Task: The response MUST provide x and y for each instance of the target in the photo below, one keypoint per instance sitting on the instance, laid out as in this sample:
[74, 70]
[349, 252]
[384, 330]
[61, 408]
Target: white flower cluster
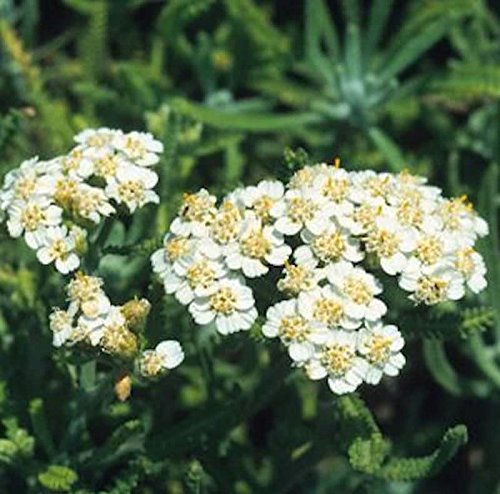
[53, 203]
[324, 230]
[90, 319]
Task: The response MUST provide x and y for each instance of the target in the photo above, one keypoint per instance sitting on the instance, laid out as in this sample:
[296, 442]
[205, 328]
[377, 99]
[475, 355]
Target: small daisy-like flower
[470, 264]
[141, 147]
[299, 278]
[433, 284]
[197, 211]
[302, 208]
[61, 325]
[58, 246]
[133, 186]
[381, 348]
[193, 277]
[32, 217]
[91, 203]
[332, 245]
[76, 164]
[85, 294]
[230, 304]
[337, 360]
[166, 356]
[296, 332]
[327, 307]
[358, 288]
[97, 138]
[94, 329]
[262, 197]
[335, 185]
[227, 223]
[257, 246]
[391, 242]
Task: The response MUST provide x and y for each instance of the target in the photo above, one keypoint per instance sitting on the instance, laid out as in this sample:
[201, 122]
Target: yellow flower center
[200, 274]
[297, 279]
[379, 349]
[464, 262]
[32, 216]
[365, 215]
[176, 248]
[262, 207]
[226, 225]
[429, 249]
[197, 207]
[65, 191]
[328, 311]
[378, 186]
[294, 329]
[223, 301]
[336, 189]
[431, 290]
[25, 187]
[151, 364]
[383, 242]
[131, 191]
[255, 245]
[357, 290]
[300, 210]
[329, 246]
[337, 358]
[83, 288]
[106, 166]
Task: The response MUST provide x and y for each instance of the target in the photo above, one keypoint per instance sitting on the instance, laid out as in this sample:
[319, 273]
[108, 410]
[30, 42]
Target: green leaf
[443, 372]
[40, 426]
[406, 469]
[58, 478]
[389, 149]
[249, 122]
[413, 49]
[379, 14]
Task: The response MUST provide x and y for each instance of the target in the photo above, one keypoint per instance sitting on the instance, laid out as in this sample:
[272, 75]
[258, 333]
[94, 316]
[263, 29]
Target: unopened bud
[123, 387]
[136, 312]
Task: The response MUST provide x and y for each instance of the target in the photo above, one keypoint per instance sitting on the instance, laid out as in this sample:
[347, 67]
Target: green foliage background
[228, 85]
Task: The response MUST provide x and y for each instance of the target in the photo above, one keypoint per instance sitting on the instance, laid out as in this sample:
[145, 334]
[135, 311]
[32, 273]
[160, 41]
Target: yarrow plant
[56, 204]
[322, 241]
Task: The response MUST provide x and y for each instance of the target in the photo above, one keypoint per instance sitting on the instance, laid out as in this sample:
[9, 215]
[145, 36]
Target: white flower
[230, 304]
[262, 197]
[86, 295]
[97, 138]
[133, 186]
[381, 347]
[166, 356]
[61, 325]
[58, 247]
[106, 163]
[358, 288]
[197, 211]
[391, 242]
[76, 164]
[140, 147]
[338, 361]
[470, 264]
[91, 203]
[302, 208]
[327, 307]
[335, 185]
[299, 278]
[297, 333]
[193, 277]
[333, 244]
[32, 217]
[257, 246]
[94, 329]
[433, 284]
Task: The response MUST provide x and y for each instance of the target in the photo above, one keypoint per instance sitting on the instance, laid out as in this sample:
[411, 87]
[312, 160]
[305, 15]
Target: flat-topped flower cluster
[91, 320]
[54, 203]
[319, 240]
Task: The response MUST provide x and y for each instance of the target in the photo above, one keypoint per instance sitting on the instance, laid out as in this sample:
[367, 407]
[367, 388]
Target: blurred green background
[234, 88]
